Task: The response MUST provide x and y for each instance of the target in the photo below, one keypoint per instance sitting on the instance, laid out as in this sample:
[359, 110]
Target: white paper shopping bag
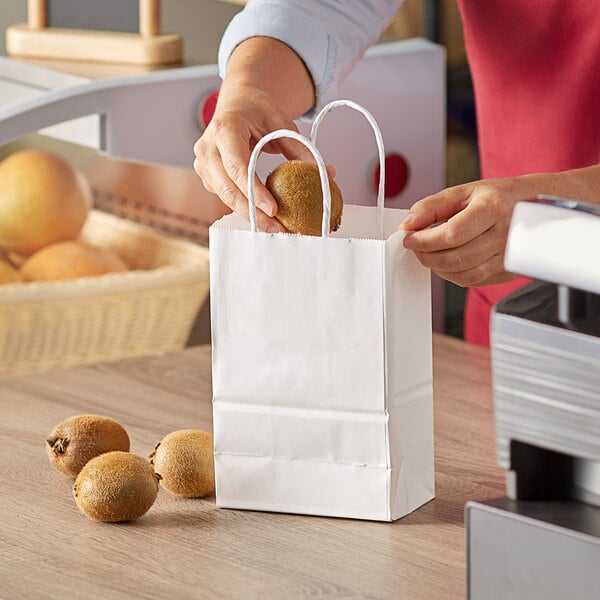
[322, 374]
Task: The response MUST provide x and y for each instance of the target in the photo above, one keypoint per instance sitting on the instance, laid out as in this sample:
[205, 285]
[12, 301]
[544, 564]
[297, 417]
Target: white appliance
[155, 119]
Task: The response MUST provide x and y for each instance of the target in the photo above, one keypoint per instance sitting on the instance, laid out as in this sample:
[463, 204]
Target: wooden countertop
[185, 548]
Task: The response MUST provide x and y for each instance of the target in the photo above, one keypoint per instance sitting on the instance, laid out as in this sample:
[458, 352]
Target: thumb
[435, 209]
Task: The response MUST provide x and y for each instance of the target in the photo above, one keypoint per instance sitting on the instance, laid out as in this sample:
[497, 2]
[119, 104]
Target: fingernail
[408, 219]
[408, 241]
[272, 229]
[266, 207]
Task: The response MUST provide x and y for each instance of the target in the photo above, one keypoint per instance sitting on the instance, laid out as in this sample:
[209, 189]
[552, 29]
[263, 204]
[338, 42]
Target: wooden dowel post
[146, 46]
[149, 18]
[37, 15]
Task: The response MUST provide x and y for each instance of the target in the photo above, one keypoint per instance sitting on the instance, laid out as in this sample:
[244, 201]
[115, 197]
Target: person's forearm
[578, 184]
[271, 66]
[584, 184]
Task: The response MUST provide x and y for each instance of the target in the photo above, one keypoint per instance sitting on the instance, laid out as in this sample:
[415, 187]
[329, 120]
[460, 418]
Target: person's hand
[223, 152]
[467, 245]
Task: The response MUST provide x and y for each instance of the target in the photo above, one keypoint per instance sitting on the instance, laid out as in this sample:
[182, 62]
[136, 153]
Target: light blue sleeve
[330, 36]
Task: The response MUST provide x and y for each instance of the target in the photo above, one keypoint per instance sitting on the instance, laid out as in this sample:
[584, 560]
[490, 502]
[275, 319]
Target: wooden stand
[148, 47]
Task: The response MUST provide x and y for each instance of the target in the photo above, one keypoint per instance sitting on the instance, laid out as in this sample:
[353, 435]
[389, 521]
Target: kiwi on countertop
[184, 459]
[78, 439]
[116, 486]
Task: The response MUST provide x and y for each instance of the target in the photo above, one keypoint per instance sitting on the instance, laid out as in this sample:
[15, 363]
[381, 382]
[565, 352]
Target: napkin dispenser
[542, 541]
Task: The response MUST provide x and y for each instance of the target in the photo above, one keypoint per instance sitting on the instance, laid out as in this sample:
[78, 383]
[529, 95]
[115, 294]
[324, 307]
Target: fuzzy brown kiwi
[185, 461]
[78, 439]
[116, 486]
[296, 187]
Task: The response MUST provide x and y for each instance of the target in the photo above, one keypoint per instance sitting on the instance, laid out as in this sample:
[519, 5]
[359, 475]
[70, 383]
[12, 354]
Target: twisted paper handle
[378, 138]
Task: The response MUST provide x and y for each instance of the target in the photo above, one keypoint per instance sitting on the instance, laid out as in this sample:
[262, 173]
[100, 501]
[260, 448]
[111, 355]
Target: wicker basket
[148, 310]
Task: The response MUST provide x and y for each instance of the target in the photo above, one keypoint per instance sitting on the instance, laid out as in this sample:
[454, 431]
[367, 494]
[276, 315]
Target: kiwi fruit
[296, 187]
[116, 486]
[78, 439]
[185, 461]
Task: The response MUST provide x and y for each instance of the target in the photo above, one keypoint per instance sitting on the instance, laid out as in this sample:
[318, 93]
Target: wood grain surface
[185, 548]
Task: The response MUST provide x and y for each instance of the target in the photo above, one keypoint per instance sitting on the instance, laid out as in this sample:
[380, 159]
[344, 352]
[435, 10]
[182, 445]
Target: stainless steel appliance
[542, 541]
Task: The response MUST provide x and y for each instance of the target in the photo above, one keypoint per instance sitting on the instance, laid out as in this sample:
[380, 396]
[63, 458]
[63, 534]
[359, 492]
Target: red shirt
[535, 66]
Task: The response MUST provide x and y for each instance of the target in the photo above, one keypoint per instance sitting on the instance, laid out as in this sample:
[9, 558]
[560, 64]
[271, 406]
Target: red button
[396, 175]
[207, 107]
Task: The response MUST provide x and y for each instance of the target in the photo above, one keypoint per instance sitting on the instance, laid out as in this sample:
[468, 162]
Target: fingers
[455, 233]
[234, 167]
[436, 208]
[465, 257]
[458, 229]
[217, 181]
[466, 246]
[222, 163]
[479, 261]
[224, 149]
[478, 212]
[488, 272]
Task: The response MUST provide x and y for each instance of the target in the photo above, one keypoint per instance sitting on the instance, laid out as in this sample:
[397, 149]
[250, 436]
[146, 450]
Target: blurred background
[201, 24]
